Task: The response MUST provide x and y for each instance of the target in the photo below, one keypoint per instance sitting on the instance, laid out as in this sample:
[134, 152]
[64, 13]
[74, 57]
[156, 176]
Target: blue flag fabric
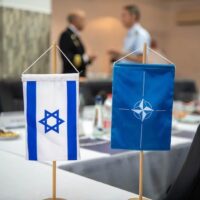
[142, 106]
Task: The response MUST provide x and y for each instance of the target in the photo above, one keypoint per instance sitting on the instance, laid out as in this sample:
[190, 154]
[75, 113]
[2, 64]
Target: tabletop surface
[18, 147]
[22, 180]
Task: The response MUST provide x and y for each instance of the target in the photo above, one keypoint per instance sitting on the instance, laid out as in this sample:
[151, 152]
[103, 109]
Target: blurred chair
[90, 89]
[185, 90]
[11, 95]
[187, 184]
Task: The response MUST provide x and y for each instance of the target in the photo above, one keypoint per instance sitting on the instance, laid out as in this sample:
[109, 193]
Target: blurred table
[18, 147]
[28, 180]
[120, 169]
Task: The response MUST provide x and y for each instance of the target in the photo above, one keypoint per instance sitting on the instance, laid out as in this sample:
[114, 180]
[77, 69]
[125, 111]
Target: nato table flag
[142, 106]
[51, 107]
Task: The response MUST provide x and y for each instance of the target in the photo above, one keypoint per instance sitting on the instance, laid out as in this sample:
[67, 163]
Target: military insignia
[75, 40]
[77, 60]
[73, 37]
[76, 43]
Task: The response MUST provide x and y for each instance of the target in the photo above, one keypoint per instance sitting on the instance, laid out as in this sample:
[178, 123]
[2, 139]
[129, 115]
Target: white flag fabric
[51, 112]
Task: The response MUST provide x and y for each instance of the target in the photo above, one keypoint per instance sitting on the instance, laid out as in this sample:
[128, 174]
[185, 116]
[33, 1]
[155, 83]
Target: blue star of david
[55, 126]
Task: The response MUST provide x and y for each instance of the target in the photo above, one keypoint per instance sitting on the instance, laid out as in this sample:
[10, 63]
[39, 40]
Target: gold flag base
[137, 198]
[54, 199]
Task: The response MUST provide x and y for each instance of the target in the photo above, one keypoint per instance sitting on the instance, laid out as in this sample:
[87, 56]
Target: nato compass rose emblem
[51, 121]
[142, 110]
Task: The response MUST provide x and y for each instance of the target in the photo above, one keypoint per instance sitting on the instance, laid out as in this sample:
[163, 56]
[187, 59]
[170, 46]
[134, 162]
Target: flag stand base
[54, 199]
[137, 198]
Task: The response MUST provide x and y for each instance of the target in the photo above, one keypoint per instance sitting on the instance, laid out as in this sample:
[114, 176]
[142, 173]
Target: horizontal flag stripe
[31, 120]
[72, 124]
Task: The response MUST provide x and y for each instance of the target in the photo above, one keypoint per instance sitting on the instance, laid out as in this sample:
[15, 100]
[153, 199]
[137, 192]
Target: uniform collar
[134, 28]
[74, 29]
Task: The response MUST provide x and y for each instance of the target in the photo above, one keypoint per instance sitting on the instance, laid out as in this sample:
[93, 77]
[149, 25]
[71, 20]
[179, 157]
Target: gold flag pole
[144, 58]
[54, 180]
[54, 71]
[54, 59]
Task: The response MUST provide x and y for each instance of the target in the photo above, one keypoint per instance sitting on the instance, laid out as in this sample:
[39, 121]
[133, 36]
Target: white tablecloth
[119, 170]
[18, 147]
[28, 180]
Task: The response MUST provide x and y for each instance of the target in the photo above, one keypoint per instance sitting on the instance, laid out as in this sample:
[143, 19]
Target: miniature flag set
[141, 111]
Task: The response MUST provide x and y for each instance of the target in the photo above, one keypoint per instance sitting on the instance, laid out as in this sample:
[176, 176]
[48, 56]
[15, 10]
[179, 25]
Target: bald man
[72, 46]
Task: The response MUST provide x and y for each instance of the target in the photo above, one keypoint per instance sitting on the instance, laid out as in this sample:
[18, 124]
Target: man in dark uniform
[72, 46]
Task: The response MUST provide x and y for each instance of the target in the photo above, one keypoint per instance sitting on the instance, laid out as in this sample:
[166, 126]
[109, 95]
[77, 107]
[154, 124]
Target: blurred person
[135, 38]
[72, 46]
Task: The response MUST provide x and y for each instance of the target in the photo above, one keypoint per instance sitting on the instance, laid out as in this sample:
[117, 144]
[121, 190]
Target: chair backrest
[90, 89]
[185, 90]
[187, 184]
[5, 98]
[11, 96]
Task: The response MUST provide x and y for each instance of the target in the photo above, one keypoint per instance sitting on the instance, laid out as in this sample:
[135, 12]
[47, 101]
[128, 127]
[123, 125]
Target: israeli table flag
[51, 112]
[142, 106]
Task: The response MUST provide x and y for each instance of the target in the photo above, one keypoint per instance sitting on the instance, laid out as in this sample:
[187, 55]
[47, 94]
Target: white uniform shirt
[135, 39]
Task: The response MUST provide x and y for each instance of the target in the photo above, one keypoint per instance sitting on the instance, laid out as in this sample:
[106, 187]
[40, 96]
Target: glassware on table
[98, 117]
